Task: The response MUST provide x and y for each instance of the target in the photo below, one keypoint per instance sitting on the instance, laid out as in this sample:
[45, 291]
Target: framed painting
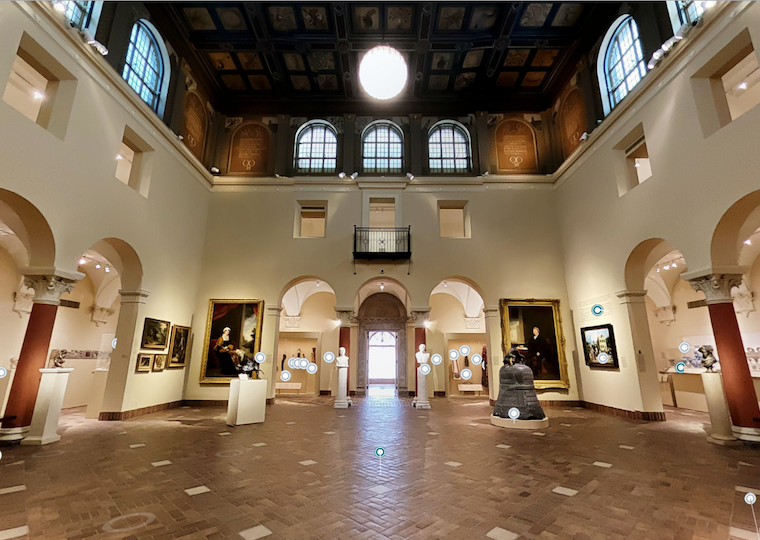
[159, 362]
[178, 345]
[599, 346]
[534, 327]
[144, 363]
[155, 334]
[233, 332]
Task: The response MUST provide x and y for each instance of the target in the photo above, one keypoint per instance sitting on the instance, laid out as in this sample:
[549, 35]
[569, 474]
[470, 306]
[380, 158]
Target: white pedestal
[422, 399]
[47, 408]
[519, 424]
[97, 393]
[341, 402]
[721, 432]
[248, 402]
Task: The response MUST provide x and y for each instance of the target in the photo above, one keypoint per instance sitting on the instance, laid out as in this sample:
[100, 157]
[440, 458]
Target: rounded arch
[316, 147]
[298, 290]
[382, 304]
[164, 70]
[30, 227]
[438, 141]
[382, 152]
[383, 284]
[465, 290]
[124, 259]
[506, 132]
[607, 90]
[736, 225]
[642, 258]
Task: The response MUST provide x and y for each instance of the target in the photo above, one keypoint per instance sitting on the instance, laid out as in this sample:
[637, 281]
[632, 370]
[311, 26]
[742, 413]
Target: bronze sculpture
[516, 389]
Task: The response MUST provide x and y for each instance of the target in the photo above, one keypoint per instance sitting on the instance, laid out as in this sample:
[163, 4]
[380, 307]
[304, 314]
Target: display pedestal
[422, 400]
[248, 401]
[519, 424]
[721, 432]
[47, 408]
[97, 393]
[341, 402]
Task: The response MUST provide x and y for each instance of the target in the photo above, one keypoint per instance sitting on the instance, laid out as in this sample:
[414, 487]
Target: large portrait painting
[535, 328]
[155, 334]
[178, 345]
[233, 332]
[599, 346]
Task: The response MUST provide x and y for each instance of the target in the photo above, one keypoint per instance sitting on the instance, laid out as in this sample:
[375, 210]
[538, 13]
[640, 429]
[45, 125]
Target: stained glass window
[317, 149]
[382, 149]
[144, 68]
[448, 150]
[624, 61]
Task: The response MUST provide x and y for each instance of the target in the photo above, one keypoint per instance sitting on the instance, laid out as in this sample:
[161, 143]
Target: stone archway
[382, 311]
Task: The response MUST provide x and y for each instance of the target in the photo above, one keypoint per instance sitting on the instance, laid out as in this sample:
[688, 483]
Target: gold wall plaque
[194, 124]
[516, 147]
[249, 152]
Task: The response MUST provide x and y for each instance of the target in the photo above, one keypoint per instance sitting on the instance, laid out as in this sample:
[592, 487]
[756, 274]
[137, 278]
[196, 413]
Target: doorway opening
[382, 363]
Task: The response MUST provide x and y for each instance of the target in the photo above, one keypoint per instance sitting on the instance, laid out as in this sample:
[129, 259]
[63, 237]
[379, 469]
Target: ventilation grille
[70, 303]
[696, 304]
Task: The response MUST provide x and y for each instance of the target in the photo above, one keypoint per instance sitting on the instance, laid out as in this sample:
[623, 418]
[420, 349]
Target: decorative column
[419, 318]
[649, 384]
[269, 340]
[495, 350]
[344, 340]
[47, 297]
[737, 380]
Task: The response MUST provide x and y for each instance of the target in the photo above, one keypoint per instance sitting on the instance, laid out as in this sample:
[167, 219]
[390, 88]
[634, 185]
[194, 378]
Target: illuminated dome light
[383, 72]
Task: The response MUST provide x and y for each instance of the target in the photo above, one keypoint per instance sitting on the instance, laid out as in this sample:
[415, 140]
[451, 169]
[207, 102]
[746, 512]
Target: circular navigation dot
[466, 374]
[476, 359]
[229, 453]
[514, 413]
[260, 357]
[285, 376]
[603, 358]
[1, 455]
[436, 359]
[379, 451]
[3, 372]
[453, 354]
[681, 367]
[597, 309]
[328, 357]
[312, 368]
[290, 362]
[425, 369]
[684, 347]
[146, 517]
[303, 363]
[464, 350]
[113, 343]
[750, 498]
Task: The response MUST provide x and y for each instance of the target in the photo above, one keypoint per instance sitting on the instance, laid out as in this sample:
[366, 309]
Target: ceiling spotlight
[38, 95]
[410, 176]
[748, 242]
[98, 46]
[319, 283]
[60, 7]
[341, 174]
[383, 72]
[82, 261]
[108, 269]
[667, 267]
[354, 176]
[658, 269]
[119, 157]
[445, 284]
[584, 136]
[215, 170]
[673, 264]
[742, 85]
[382, 286]
[97, 266]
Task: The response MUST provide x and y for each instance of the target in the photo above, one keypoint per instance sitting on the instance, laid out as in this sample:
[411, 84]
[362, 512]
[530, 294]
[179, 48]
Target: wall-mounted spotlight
[341, 174]
[584, 136]
[410, 176]
[215, 170]
[354, 176]
[382, 286]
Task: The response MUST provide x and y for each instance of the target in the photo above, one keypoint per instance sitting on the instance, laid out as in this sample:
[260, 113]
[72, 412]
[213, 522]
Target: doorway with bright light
[382, 364]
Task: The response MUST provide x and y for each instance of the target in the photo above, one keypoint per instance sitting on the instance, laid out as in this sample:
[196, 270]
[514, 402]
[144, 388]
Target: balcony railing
[382, 243]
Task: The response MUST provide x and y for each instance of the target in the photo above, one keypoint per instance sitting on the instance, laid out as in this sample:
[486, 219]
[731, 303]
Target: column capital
[491, 312]
[420, 316]
[344, 314]
[717, 287]
[48, 289]
[133, 297]
[274, 311]
[631, 296]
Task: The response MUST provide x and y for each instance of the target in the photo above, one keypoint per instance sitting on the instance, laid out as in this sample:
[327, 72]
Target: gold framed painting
[233, 333]
[178, 346]
[534, 327]
[159, 362]
[144, 363]
[155, 334]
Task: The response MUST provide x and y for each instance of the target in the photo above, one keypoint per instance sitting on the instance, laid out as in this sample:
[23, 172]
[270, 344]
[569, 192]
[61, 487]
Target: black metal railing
[382, 243]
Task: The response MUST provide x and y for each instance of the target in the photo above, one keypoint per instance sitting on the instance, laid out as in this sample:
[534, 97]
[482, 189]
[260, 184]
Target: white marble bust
[342, 359]
[423, 356]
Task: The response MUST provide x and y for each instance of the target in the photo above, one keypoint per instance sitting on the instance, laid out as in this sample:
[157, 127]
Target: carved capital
[344, 315]
[631, 297]
[490, 312]
[48, 289]
[717, 287]
[472, 323]
[274, 311]
[100, 315]
[420, 316]
[133, 297]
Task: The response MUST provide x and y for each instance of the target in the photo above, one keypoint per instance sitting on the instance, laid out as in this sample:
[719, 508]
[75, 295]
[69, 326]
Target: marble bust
[342, 359]
[423, 357]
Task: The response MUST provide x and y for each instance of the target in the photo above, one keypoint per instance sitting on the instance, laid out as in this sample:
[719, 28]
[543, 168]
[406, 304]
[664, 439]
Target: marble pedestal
[342, 401]
[519, 424]
[248, 402]
[47, 408]
[423, 402]
[720, 419]
[97, 393]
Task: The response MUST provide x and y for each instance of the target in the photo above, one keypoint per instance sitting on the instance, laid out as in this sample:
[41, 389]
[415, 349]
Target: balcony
[392, 243]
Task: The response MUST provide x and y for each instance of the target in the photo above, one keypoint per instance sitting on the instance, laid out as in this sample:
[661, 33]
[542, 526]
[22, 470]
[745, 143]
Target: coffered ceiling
[303, 58]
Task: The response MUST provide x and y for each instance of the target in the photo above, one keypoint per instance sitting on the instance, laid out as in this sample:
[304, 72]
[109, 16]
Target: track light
[410, 176]
[108, 269]
[341, 174]
[658, 269]
[97, 266]
[354, 176]
[215, 170]
[748, 242]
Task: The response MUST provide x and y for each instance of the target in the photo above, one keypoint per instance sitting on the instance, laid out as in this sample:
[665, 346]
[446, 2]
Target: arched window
[448, 149]
[684, 12]
[382, 148]
[316, 148]
[77, 12]
[623, 65]
[144, 68]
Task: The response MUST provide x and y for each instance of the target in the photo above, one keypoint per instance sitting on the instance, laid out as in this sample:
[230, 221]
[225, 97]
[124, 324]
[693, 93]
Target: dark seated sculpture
[516, 389]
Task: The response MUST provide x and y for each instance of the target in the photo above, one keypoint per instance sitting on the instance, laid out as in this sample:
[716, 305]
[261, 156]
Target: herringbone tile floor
[442, 476]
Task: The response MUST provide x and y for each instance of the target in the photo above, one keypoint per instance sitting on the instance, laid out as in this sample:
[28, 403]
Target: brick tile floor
[672, 485]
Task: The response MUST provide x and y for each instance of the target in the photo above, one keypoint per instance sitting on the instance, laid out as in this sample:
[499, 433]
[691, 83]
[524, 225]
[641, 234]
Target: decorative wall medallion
[422, 46]
[199, 18]
[344, 46]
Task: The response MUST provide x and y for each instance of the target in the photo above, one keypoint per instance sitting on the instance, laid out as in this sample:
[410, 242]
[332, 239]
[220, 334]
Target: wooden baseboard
[412, 393]
[126, 415]
[439, 393]
[204, 402]
[604, 409]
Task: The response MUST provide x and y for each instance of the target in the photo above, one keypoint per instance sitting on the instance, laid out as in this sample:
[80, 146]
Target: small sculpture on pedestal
[421, 401]
[343, 401]
[517, 405]
[59, 360]
[708, 360]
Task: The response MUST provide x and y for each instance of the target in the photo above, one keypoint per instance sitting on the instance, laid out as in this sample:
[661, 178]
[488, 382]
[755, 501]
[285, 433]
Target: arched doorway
[382, 315]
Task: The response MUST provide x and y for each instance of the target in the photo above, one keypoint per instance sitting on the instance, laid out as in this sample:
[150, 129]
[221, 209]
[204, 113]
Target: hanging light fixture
[383, 72]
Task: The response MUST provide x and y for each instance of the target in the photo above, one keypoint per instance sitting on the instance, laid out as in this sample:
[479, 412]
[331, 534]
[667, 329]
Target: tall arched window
[78, 12]
[316, 148]
[144, 68]
[623, 64]
[686, 12]
[382, 148]
[448, 149]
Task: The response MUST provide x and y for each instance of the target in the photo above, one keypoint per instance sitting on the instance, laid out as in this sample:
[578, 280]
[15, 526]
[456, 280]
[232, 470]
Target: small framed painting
[159, 362]
[178, 345]
[144, 363]
[155, 334]
[599, 346]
